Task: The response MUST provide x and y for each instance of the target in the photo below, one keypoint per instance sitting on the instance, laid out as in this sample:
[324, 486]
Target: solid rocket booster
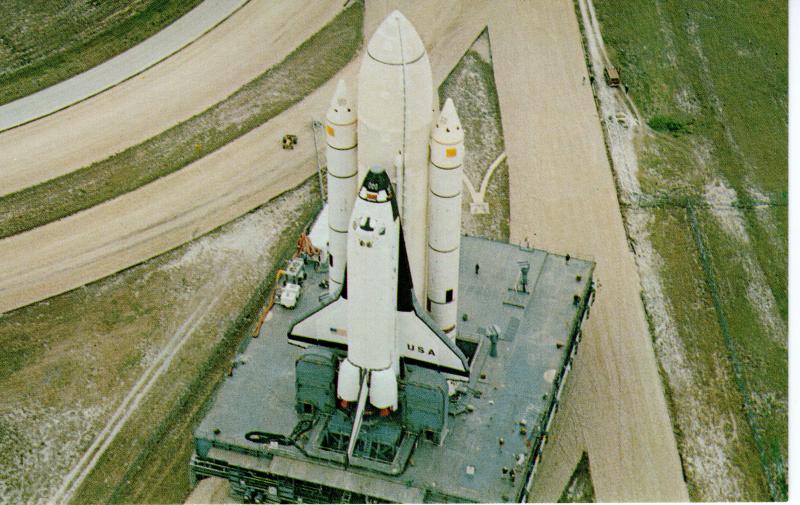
[341, 153]
[444, 217]
[395, 104]
[373, 249]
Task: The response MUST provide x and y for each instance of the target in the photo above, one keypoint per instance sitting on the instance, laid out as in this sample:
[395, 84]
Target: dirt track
[210, 490]
[174, 37]
[203, 73]
[206, 194]
[563, 199]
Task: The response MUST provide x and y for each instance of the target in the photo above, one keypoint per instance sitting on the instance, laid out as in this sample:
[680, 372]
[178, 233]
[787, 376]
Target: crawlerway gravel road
[139, 58]
[563, 199]
[246, 44]
[210, 192]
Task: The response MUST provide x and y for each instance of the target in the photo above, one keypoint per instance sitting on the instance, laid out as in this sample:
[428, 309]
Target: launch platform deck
[495, 431]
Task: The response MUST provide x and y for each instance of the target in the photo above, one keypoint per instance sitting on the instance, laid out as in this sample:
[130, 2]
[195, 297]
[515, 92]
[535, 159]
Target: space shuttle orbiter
[394, 211]
[376, 316]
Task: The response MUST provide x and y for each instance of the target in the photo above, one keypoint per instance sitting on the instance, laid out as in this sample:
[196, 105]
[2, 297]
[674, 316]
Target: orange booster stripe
[330, 130]
[451, 152]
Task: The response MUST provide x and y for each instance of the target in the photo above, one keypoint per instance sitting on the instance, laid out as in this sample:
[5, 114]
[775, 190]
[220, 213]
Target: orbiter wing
[420, 341]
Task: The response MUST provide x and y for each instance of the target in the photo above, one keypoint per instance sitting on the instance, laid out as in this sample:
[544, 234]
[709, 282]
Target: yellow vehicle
[612, 76]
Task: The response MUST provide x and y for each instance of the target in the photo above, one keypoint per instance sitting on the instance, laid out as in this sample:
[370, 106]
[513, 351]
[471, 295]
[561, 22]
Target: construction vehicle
[293, 277]
[612, 76]
[288, 295]
[289, 141]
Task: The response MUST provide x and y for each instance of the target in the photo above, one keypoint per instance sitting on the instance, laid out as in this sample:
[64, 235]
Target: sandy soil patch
[212, 191]
[721, 199]
[563, 193]
[202, 74]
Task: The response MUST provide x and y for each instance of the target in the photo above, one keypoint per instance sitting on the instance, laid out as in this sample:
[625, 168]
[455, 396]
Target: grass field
[304, 70]
[471, 86]
[44, 42]
[71, 359]
[149, 461]
[710, 81]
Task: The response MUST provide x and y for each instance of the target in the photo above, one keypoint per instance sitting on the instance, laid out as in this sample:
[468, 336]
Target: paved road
[168, 41]
[162, 215]
[563, 199]
[254, 38]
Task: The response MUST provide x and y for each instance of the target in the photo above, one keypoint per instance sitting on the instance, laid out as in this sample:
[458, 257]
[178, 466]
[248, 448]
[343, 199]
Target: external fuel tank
[395, 108]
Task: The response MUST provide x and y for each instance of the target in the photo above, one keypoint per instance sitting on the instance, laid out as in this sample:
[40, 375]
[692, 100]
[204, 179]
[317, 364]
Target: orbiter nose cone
[342, 111]
[396, 41]
[447, 129]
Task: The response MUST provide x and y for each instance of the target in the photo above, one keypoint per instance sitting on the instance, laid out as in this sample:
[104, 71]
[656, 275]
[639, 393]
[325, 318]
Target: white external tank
[341, 153]
[394, 117]
[444, 217]
[372, 257]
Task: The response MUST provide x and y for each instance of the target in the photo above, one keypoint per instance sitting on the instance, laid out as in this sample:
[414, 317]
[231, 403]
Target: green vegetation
[686, 286]
[44, 42]
[710, 80]
[668, 124]
[760, 364]
[148, 461]
[471, 86]
[579, 488]
[304, 70]
[75, 356]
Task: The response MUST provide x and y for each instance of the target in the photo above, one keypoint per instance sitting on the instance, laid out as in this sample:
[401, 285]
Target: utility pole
[315, 125]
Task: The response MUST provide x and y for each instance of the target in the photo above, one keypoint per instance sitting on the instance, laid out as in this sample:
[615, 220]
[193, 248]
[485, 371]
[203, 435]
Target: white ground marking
[478, 205]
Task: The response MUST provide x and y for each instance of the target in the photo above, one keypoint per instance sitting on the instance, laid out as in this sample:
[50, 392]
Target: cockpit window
[366, 224]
